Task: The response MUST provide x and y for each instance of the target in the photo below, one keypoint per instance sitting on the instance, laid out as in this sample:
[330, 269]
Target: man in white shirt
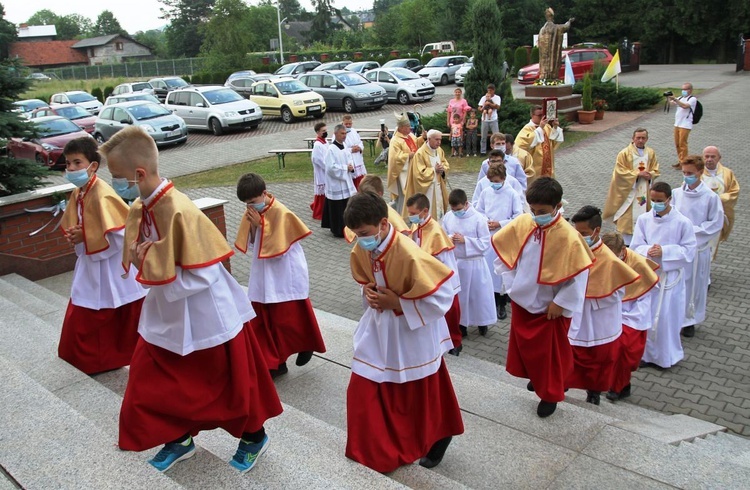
[683, 120]
[488, 104]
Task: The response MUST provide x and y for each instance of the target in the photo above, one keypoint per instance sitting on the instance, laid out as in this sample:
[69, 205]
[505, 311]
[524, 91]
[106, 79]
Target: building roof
[47, 53]
[95, 41]
[27, 31]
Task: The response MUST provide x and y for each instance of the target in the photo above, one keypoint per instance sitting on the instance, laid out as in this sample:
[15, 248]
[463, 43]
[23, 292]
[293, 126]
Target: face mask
[348, 130]
[324, 135]
[497, 185]
[78, 178]
[500, 147]
[690, 179]
[460, 213]
[684, 93]
[659, 207]
[369, 243]
[123, 189]
[415, 219]
[545, 219]
[589, 240]
[258, 206]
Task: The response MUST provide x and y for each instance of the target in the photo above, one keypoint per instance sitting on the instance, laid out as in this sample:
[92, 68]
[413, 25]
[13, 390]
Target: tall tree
[155, 40]
[43, 17]
[184, 34]
[72, 26]
[417, 13]
[226, 39]
[107, 24]
[321, 29]
[488, 51]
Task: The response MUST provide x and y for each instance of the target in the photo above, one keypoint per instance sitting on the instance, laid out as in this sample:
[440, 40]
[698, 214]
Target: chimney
[23, 26]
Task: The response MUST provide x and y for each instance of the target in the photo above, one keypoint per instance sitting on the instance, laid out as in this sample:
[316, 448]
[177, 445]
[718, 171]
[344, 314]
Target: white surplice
[319, 167]
[447, 257]
[339, 183]
[512, 167]
[674, 233]
[408, 347]
[476, 298]
[358, 158]
[703, 208]
[278, 279]
[636, 313]
[484, 183]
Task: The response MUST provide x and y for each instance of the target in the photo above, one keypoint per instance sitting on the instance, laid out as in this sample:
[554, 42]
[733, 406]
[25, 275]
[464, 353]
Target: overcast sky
[133, 15]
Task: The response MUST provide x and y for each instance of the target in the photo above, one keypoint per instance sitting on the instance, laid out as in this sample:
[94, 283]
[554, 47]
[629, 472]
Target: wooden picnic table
[280, 154]
[370, 140]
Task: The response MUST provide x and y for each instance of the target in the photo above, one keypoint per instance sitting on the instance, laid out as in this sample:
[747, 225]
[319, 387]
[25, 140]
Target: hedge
[626, 99]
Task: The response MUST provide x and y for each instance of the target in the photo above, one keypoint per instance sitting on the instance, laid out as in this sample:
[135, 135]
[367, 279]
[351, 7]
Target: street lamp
[280, 20]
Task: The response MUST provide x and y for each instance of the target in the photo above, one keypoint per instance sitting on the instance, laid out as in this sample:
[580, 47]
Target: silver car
[345, 90]
[442, 69]
[119, 99]
[159, 123]
[214, 107]
[463, 71]
[133, 87]
[402, 85]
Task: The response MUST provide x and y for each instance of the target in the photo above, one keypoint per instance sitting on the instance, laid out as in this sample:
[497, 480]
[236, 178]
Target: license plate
[313, 108]
[247, 119]
[378, 99]
[174, 133]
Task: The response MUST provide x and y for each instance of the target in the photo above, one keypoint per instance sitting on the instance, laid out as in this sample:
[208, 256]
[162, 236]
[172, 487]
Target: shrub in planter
[535, 54]
[108, 91]
[97, 92]
[586, 101]
[520, 59]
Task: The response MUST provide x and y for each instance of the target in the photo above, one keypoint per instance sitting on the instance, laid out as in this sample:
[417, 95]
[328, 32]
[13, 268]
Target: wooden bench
[280, 154]
[370, 140]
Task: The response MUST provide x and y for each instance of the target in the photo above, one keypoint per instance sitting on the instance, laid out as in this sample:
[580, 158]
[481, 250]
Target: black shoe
[529, 386]
[483, 330]
[612, 396]
[456, 350]
[688, 331]
[643, 364]
[501, 314]
[625, 392]
[435, 456]
[593, 397]
[464, 331]
[303, 358]
[545, 409]
[282, 369]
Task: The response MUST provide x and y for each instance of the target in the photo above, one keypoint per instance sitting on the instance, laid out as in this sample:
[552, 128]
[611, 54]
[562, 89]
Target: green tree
[521, 19]
[155, 40]
[417, 13]
[43, 17]
[73, 26]
[107, 24]
[321, 29]
[387, 26]
[488, 52]
[226, 41]
[7, 34]
[184, 35]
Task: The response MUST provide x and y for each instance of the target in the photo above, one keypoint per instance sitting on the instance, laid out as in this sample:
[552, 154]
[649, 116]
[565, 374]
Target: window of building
[118, 46]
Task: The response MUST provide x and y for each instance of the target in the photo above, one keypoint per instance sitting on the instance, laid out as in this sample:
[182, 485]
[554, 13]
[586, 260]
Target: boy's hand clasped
[381, 298]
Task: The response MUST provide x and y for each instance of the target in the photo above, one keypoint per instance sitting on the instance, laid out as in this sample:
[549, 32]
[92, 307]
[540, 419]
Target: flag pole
[617, 83]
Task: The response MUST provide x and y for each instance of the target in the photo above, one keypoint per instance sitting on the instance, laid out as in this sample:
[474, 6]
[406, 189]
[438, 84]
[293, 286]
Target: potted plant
[586, 116]
[600, 105]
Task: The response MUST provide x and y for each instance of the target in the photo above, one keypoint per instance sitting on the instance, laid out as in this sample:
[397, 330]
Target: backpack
[698, 112]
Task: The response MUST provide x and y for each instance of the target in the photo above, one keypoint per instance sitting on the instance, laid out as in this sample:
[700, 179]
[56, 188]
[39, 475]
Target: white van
[441, 47]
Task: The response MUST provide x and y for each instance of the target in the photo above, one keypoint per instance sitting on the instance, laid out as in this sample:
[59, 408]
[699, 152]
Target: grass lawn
[299, 168]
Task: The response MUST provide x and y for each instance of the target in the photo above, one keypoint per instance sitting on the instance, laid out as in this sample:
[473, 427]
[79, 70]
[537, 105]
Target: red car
[581, 59]
[47, 148]
[80, 116]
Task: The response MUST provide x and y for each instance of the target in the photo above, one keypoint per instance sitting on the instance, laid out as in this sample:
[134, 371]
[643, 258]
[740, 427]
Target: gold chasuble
[409, 272]
[185, 237]
[564, 251]
[725, 184]
[395, 219]
[542, 155]
[432, 237]
[279, 230]
[648, 277]
[398, 156]
[608, 274]
[103, 211]
[424, 179]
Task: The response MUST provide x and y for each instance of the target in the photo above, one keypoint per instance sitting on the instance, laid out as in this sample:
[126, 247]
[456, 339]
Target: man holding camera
[683, 120]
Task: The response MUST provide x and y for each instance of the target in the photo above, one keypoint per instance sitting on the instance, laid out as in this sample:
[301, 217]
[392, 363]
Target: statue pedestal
[568, 103]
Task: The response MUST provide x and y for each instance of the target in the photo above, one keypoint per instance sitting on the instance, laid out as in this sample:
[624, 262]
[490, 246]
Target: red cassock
[539, 350]
[168, 395]
[592, 366]
[357, 180]
[393, 424]
[453, 319]
[632, 343]
[95, 341]
[317, 206]
[283, 329]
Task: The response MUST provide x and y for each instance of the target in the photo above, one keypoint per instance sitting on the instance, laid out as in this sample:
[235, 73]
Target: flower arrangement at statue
[549, 82]
[600, 105]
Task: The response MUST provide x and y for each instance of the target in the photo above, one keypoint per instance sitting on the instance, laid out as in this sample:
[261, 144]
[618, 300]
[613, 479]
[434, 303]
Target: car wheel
[348, 105]
[444, 80]
[215, 125]
[254, 126]
[403, 98]
[99, 138]
[286, 115]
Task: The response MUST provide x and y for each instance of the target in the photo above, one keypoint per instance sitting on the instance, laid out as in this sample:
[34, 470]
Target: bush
[586, 101]
[626, 99]
[97, 92]
[108, 91]
[187, 78]
[535, 54]
[508, 54]
[612, 48]
[520, 59]
[435, 121]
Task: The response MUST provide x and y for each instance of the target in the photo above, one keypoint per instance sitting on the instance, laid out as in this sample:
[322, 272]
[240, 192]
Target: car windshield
[30, 105]
[82, 97]
[222, 96]
[292, 87]
[438, 62]
[74, 112]
[285, 69]
[56, 127]
[175, 82]
[352, 79]
[141, 86]
[141, 112]
[403, 74]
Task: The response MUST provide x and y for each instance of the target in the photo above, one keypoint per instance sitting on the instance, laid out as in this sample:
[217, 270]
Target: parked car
[244, 85]
[582, 60]
[80, 116]
[118, 99]
[133, 87]
[345, 90]
[213, 107]
[26, 107]
[163, 85]
[463, 70]
[362, 66]
[163, 126]
[412, 64]
[288, 98]
[440, 47]
[39, 77]
[442, 69]
[53, 132]
[333, 65]
[78, 97]
[241, 73]
[295, 69]
[402, 85]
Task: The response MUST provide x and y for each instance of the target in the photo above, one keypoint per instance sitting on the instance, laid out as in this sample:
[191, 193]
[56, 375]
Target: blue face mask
[659, 207]
[545, 219]
[123, 188]
[589, 240]
[684, 93]
[690, 179]
[460, 213]
[78, 178]
[497, 185]
[348, 130]
[258, 206]
[415, 219]
[369, 243]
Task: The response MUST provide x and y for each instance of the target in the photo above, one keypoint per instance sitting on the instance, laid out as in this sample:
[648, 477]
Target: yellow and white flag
[613, 69]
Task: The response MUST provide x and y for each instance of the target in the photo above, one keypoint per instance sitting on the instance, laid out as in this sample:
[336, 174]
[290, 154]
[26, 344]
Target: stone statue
[550, 46]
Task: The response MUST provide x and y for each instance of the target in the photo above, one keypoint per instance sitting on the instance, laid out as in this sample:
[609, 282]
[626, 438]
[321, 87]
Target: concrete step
[47, 444]
[733, 449]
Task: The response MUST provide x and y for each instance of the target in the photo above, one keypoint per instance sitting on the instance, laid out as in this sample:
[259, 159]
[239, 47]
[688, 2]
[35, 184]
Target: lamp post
[281, 45]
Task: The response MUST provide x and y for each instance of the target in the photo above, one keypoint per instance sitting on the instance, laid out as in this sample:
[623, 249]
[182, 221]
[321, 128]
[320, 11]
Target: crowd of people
[587, 307]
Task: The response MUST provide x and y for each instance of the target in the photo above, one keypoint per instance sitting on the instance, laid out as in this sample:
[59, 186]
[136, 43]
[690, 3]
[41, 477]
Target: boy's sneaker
[247, 454]
[172, 453]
